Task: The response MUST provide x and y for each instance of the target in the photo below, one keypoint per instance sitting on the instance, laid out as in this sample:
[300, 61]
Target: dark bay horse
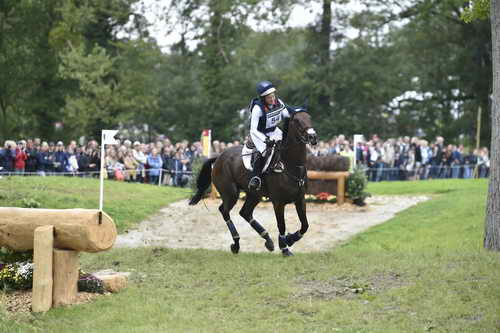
[230, 176]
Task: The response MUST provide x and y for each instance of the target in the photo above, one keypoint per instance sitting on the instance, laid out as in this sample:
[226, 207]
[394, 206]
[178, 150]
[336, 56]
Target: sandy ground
[181, 226]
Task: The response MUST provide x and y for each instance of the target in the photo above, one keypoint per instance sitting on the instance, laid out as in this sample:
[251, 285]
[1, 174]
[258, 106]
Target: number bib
[273, 118]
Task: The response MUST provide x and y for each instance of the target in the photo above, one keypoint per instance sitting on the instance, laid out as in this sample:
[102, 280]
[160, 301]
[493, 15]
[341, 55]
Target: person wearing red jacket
[21, 157]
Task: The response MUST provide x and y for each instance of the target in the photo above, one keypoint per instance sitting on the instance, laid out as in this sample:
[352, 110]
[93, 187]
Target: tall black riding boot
[255, 180]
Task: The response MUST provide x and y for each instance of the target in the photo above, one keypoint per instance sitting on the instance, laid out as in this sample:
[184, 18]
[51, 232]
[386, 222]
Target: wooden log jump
[56, 236]
[75, 229]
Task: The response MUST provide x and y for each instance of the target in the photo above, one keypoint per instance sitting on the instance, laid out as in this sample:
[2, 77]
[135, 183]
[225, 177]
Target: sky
[301, 16]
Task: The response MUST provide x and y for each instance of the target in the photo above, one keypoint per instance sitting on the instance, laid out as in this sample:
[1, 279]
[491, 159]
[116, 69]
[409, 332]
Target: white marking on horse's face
[311, 131]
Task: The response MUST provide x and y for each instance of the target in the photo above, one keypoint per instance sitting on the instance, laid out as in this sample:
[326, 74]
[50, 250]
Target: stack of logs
[55, 236]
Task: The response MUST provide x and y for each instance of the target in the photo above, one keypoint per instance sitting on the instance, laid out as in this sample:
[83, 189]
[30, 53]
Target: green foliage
[92, 64]
[30, 203]
[356, 185]
[8, 256]
[478, 9]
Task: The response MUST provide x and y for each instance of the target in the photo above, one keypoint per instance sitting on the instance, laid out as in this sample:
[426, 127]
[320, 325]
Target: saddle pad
[246, 155]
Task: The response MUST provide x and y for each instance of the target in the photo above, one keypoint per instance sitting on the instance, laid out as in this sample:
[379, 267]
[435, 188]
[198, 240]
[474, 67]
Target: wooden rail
[339, 176]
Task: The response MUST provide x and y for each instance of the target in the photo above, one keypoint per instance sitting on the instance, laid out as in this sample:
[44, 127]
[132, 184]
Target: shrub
[356, 184]
[91, 284]
[8, 256]
[16, 276]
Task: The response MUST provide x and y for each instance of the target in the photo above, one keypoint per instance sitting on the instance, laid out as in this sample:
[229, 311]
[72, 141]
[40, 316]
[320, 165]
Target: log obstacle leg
[341, 190]
[66, 268]
[43, 263]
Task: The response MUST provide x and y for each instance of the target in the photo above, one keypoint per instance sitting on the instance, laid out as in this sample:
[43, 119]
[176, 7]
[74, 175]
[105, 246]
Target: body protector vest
[270, 118]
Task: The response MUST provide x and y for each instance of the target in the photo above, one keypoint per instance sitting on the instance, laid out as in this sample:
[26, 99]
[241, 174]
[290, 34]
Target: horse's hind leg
[300, 206]
[229, 198]
[247, 213]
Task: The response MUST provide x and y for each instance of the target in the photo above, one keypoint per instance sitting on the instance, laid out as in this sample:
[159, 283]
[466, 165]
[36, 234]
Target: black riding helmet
[265, 88]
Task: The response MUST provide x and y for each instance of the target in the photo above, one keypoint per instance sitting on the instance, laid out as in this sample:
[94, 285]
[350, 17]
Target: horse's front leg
[279, 211]
[300, 206]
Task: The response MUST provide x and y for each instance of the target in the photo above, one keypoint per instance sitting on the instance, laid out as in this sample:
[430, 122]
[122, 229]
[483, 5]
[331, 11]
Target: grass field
[423, 271]
[127, 203]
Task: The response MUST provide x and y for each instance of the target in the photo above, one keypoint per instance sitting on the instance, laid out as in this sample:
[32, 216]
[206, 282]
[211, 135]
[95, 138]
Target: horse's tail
[204, 180]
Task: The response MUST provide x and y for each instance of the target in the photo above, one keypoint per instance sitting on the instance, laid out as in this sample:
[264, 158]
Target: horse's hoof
[286, 253]
[235, 248]
[269, 245]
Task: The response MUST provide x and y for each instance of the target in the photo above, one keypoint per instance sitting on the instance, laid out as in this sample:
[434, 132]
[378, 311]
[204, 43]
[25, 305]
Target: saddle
[273, 162]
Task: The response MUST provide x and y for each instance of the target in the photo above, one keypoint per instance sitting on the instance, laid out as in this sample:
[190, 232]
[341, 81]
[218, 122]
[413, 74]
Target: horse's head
[301, 121]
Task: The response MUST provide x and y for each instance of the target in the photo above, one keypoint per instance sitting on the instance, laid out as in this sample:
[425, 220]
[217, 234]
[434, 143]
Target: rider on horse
[267, 112]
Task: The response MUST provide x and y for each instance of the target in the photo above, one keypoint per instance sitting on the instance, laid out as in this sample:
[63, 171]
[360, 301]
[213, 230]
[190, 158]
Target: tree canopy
[71, 67]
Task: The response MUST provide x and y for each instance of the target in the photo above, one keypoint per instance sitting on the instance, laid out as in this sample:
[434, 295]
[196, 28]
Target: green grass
[126, 203]
[423, 271]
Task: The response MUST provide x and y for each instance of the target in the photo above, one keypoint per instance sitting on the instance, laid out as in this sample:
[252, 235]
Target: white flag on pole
[108, 137]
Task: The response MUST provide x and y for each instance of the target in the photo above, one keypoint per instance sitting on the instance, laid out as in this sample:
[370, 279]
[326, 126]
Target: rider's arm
[258, 137]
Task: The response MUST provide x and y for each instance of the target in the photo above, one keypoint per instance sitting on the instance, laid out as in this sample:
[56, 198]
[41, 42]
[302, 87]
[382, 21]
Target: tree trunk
[75, 229]
[492, 224]
[42, 274]
[324, 53]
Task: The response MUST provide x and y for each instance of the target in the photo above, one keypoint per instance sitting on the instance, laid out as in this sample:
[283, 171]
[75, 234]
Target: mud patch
[347, 287]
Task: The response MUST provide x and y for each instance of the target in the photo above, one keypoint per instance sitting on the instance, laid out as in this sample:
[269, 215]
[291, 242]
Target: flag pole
[101, 174]
[107, 137]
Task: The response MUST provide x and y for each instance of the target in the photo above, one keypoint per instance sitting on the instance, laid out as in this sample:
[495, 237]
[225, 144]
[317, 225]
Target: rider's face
[270, 99]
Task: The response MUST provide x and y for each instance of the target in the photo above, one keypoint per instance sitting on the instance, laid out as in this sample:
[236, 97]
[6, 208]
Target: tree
[492, 225]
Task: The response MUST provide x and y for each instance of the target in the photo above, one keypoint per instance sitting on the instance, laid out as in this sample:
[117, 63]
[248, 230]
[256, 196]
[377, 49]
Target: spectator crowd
[165, 163]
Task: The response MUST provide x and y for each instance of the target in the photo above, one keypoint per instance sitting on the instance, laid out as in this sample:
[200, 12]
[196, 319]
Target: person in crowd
[131, 166]
[141, 159]
[72, 166]
[8, 157]
[426, 153]
[168, 164]
[21, 157]
[483, 163]
[94, 161]
[44, 160]
[349, 153]
[60, 158]
[470, 161]
[456, 161]
[31, 154]
[180, 168]
[155, 164]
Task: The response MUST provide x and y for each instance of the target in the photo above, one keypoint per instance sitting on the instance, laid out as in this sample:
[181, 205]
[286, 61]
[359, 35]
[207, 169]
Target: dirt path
[181, 226]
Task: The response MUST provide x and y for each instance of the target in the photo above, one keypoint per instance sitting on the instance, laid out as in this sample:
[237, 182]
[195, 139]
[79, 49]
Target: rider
[267, 112]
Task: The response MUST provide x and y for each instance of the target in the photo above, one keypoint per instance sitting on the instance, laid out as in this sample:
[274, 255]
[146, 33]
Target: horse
[230, 176]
